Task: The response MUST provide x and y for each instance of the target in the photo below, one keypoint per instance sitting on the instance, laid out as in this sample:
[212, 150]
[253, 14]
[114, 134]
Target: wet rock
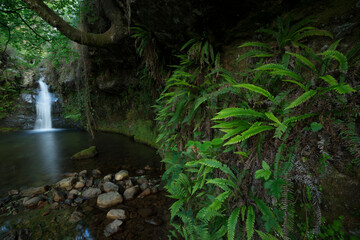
[78, 200]
[154, 221]
[58, 195]
[142, 180]
[145, 193]
[73, 193]
[116, 214]
[74, 174]
[130, 193]
[79, 185]
[83, 173]
[109, 199]
[30, 192]
[121, 175]
[68, 201]
[128, 183]
[145, 212]
[75, 217]
[13, 192]
[96, 173]
[110, 187]
[85, 154]
[107, 178]
[112, 227]
[91, 193]
[31, 202]
[89, 182]
[66, 183]
[144, 186]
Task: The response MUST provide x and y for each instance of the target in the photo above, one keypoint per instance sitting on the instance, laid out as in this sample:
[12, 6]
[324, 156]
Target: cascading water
[43, 107]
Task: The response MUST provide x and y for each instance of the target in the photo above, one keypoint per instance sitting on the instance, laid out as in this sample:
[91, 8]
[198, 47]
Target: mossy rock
[86, 153]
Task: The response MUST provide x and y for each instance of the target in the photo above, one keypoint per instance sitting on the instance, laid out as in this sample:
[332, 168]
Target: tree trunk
[113, 35]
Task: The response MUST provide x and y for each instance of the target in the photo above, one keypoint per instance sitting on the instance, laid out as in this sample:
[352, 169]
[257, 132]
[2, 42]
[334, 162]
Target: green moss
[86, 153]
[6, 129]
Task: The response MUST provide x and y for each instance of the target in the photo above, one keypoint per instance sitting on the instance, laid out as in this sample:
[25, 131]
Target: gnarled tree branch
[113, 35]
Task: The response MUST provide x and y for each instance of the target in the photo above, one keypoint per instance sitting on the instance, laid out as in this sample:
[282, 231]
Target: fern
[231, 224]
[343, 63]
[304, 97]
[253, 130]
[256, 89]
[250, 221]
[265, 236]
[238, 112]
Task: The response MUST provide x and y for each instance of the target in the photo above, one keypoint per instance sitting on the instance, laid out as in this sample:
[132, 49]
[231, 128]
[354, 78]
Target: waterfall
[43, 107]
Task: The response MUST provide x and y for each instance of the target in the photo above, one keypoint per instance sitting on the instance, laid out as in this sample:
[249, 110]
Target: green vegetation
[234, 185]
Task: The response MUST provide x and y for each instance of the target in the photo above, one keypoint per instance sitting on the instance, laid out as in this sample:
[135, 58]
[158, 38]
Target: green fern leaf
[298, 118]
[307, 95]
[175, 208]
[238, 112]
[231, 124]
[253, 53]
[312, 32]
[343, 89]
[232, 221]
[296, 82]
[250, 221]
[256, 89]
[272, 117]
[232, 132]
[304, 60]
[330, 80]
[271, 67]
[343, 63]
[287, 72]
[265, 236]
[255, 44]
[222, 183]
[253, 130]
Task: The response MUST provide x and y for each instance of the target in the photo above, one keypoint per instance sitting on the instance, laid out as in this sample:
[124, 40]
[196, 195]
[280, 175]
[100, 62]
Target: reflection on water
[36, 158]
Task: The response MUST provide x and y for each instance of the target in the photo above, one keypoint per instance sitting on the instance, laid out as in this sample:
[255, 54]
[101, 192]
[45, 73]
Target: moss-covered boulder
[86, 153]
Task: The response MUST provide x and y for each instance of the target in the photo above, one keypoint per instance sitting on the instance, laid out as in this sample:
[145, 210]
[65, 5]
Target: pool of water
[36, 158]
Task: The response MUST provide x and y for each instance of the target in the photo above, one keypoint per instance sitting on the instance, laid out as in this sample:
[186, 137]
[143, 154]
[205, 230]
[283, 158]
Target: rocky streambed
[88, 205]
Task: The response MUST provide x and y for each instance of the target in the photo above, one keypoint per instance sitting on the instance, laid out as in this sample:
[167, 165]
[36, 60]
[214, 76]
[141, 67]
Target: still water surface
[36, 158]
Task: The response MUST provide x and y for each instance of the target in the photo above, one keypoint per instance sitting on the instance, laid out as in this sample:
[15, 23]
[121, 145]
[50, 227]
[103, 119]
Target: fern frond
[232, 132]
[255, 44]
[238, 112]
[304, 60]
[307, 95]
[175, 207]
[231, 223]
[253, 53]
[312, 32]
[343, 63]
[298, 118]
[231, 124]
[253, 130]
[250, 221]
[256, 89]
[222, 183]
[296, 82]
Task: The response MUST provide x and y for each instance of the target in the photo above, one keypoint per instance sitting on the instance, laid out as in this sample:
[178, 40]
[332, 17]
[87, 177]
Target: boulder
[73, 193]
[108, 178]
[58, 195]
[144, 186]
[109, 199]
[91, 193]
[110, 187]
[121, 175]
[75, 217]
[66, 183]
[83, 173]
[85, 154]
[130, 193]
[96, 173]
[31, 202]
[116, 214]
[30, 192]
[79, 185]
[74, 174]
[112, 227]
[145, 193]
[13, 192]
